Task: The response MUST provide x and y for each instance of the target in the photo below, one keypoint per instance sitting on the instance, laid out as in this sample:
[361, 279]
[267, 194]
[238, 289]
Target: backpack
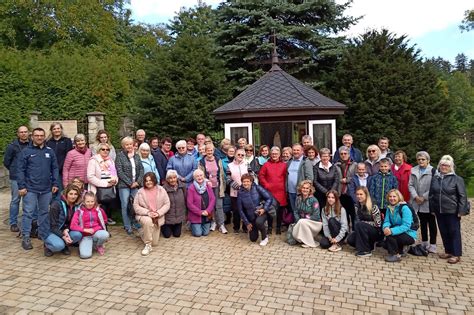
[415, 225]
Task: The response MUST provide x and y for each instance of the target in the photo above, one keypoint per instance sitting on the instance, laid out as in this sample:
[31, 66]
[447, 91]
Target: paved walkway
[227, 274]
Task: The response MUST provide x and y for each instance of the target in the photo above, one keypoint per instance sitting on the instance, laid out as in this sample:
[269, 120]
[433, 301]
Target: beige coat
[141, 206]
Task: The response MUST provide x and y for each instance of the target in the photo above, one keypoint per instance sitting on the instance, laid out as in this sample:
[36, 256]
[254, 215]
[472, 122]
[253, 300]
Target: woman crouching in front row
[334, 223]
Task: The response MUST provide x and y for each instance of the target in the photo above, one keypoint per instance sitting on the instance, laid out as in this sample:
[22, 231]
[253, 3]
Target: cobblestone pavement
[227, 274]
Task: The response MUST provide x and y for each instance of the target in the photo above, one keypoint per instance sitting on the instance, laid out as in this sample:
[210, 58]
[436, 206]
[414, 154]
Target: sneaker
[26, 243]
[364, 254]
[111, 222]
[147, 250]
[432, 249]
[213, 226]
[101, 250]
[335, 248]
[264, 242]
[48, 252]
[14, 228]
[129, 231]
[66, 251]
[393, 258]
[222, 229]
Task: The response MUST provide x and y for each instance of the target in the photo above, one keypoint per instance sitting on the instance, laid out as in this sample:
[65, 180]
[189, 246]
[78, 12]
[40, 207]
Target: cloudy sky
[430, 24]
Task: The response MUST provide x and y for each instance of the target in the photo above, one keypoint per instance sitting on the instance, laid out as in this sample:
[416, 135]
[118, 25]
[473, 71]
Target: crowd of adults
[70, 191]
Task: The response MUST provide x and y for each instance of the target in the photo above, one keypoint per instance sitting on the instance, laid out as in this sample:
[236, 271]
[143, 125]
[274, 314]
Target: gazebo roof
[278, 91]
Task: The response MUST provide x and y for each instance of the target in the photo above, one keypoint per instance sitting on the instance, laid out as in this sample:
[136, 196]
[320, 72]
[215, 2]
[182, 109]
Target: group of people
[69, 191]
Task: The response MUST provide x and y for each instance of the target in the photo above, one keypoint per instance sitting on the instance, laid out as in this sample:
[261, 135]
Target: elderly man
[140, 136]
[183, 163]
[10, 160]
[356, 154]
[299, 168]
[38, 178]
[307, 141]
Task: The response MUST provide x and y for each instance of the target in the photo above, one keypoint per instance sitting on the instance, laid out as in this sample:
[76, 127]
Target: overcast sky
[433, 25]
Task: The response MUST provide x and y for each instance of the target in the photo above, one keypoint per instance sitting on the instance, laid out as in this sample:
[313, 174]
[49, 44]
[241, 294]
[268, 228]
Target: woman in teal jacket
[397, 226]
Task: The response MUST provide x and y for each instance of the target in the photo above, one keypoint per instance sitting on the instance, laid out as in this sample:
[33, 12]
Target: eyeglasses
[345, 153]
[180, 148]
[104, 149]
[240, 155]
[248, 150]
[372, 151]
[421, 159]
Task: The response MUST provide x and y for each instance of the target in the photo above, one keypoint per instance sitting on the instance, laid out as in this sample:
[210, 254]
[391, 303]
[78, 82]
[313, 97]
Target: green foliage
[306, 30]
[468, 21]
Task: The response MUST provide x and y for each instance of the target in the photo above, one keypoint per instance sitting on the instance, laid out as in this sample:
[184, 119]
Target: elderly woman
[213, 170]
[103, 137]
[175, 216]
[234, 175]
[448, 200]
[373, 159]
[130, 174]
[183, 163]
[286, 154]
[402, 170]
[419, 187]
[397, 226]
[347, 168]
[250, 160]
[101, 173]
[312, 154]
[201, 201]
[241, 143]
[151, 204]
[60, 216]
[307, 216]
[147, 159]
[76, 161]
[252, 211]
[272, 177]
[326, 176]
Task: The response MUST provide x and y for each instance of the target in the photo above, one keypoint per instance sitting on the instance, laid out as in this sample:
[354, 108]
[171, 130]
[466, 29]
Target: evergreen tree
[306, 30]
[461, 63]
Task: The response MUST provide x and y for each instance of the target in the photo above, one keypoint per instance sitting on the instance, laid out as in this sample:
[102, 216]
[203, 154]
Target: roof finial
[275, 60]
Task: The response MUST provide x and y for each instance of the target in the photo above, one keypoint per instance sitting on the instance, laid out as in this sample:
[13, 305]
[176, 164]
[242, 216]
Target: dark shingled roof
[277, 90]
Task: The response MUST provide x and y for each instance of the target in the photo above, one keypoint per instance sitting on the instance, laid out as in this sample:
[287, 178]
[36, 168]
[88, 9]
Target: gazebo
[279, 110]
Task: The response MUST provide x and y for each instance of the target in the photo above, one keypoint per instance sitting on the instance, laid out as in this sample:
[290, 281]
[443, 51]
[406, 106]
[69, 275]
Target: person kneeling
[90, 221]
[334, 223]
[397, 226]
[151, 204]
[251, 211]
[201, 202]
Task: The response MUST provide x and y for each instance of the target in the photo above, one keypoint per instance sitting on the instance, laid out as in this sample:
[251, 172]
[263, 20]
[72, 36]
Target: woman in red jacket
[402, 170]
[272, 177]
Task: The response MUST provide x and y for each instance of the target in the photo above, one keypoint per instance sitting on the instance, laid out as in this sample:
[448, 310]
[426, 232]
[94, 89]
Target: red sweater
[88, 218]
[403, 177]
[272, 177]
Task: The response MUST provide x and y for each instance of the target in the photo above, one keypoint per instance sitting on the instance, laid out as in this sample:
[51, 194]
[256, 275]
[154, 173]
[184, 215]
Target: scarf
[151, 198]
[262, 160]
[201, 189]
[248, 160]
[82, 151]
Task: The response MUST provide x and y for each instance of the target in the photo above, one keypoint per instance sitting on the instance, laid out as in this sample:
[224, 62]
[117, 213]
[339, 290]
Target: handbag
[106, 194]
[289, 235]
[418, 250]
[287, 217]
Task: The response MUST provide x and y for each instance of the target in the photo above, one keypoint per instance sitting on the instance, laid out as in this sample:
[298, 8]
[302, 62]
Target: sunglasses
[248, 150]
[372, 151]
[104, 149]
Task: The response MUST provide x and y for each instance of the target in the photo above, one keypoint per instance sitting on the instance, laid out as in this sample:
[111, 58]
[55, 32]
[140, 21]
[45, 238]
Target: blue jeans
[57, 195]
[57, 244]
[14, 203]
[87, 242]
[124, 194]
[200, 229]
[32, 202]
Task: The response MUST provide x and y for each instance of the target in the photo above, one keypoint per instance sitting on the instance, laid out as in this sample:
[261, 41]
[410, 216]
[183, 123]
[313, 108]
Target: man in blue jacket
[38, 178]
[10, 160]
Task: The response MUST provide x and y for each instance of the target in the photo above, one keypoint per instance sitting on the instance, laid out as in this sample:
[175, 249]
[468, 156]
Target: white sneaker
[222, 229]
[213, 226]
[147, 250]
[264, 242]
[335, 248]
[432, 249]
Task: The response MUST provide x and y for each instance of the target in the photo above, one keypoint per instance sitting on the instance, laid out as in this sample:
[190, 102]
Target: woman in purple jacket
[201, 201]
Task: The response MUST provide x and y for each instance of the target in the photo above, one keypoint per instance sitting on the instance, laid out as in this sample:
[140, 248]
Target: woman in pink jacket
[76, 161]
[151, 203]
[234, 173]
[101, 173]
[201, 201]
[90, 220]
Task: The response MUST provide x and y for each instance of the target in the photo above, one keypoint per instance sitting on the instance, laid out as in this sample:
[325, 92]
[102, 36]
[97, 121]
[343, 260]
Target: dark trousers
[321, 199]
[428, 220]
[171, 229]
[395, 243]
[279, 217]
[258, 225]
[236, 215]
[334, 229]
[450, 229]
[348, 204]
[364, 236]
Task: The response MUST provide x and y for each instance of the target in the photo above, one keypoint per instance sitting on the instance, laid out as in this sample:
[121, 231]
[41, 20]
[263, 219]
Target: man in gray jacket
[299, 168]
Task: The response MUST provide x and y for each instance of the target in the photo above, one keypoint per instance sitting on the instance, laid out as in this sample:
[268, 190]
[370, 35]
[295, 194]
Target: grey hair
[275, 148]
[126, 140]
[79, 136]
[144, 146]
[171, 173]
[344, 148]
[197, 171]
[180, 143]
[324, 151]
[423, 154]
